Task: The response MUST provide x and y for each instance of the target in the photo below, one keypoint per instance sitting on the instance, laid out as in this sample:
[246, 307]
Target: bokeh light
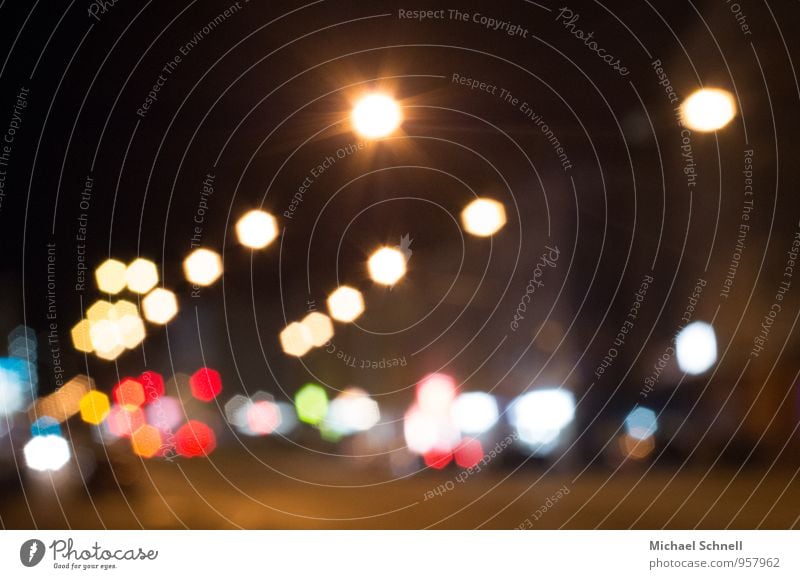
[483, 217]
[540, 416]
[636, 448]
[195, 439]
[376, 115]
[203, 267]
[641, 423]
[696, 348]
[352, 411]
[46, 453]
[64, 402]
[160, 306]
[345, 304]
[110, 276]
[94, 407]
[263, 417]
[468, 453]
[438, 459]
[123, 421]
[708, 110]
[206, 384]
[296, 339]
[153, 384]
[141, 276]
[319, 327]
[311, 402]
[387, 266]
[129, 393]
[256, 229]
[146, 441]
[475, 412]
[45, 426]
[12, 386]
[81, 338]
[436, 393]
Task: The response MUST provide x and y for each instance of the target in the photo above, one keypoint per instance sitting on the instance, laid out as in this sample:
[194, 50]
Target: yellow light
[708, 110]
[296, 339]
[203, 267]
[94, 407]
[376, 115]
[141, 276]
[121, 309]
[65, 402]
[387, 266]
[80, 337]
[320, 327]
[256, 229]
[345, 304]
[98, 311]
[106, 339]
[483, 217]
[160, 306]
[110, 276]
[131, 329]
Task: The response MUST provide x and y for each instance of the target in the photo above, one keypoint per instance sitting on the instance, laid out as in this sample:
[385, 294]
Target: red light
[263, 417]
[129, 392]
[124, 420]
[206, 384]
[195, 439]
[437, 459]
[153, 384]
[469, 452]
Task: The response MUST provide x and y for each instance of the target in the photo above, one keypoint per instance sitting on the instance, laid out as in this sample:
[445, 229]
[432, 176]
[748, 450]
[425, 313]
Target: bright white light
[708, 109]
[203, 267]
[425, 432]
[320, 327]
[474, 412]
[345, 304]
[376, 115]
[696, 348]
[44, 453]
[141, 276]
[256, 229]
[296, 339]
[352, 411]
[110, 276]
[435, 394]
[541, 415]
[160, 306]
[11, 390]
[387, 266]
[641, 423]
[483, 217]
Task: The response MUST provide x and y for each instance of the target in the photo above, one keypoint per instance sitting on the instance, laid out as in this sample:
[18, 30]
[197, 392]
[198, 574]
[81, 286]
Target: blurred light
[387, 266]
[311, 403]
[45, 426]
[475, 412]
[540, 416]
[153, 384]
[45, 453]
[288, 418]
[636, 448]
[438, 459]
[376, 115]
[23, 347]
[641, 423]
[194, 439]
[352, 411]
[141, 276]
[131, 331]
[64, 402]
[436, 393]
[12, 386]
[296, 339]
[206, 384]
[426, 431]
[165, 413]
[263, 417]
[122, 309]
[256, 229]
[98, 311]
[708, 109]
[123, 421]
[345, 304]
[146, 441]
[81, 337]
[203, 267]
[696, 348]
[94, 407]
[110, 276]
[160, 306]
[129, 393]
[320, 327]
[483, 217]
[236, 411]
[106, 339]
[468, 453]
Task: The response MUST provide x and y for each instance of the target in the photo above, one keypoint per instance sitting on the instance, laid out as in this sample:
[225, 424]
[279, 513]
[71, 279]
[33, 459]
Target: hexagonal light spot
[256, 229]
[483, 217]
[81, 338]
[110, 276]
[141, 276]
[320, 327]
[160, 306]
[203, 267]
[94, 407]
[345, 304]
[296, 339]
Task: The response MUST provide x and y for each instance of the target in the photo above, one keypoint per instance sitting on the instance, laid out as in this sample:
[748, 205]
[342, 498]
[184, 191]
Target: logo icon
[405, 246]
[32, 552]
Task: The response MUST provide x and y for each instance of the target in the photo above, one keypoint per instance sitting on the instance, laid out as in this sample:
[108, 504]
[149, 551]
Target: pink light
[153, 384]
[436, 393]
[263, 417]
[469, 452]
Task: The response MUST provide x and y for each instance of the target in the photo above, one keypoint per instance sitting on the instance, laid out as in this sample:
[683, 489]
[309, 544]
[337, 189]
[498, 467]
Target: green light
[311, 403]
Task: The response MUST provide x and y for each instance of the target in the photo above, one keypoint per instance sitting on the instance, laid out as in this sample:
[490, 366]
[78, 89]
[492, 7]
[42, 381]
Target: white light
[436, 393]
[483, 217]
[541, 415]
[641, 423]
[474, 412]
[708, 110]
[352, 411]
[203, 267]
[387, 266]
[424, 432]
[320, 327]
[696, 348]
[296, 339]
[256, 229]
[160, 306]
[44, 453]
[141, 276]
[376, 115]
[345, 304]
[11, 390]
